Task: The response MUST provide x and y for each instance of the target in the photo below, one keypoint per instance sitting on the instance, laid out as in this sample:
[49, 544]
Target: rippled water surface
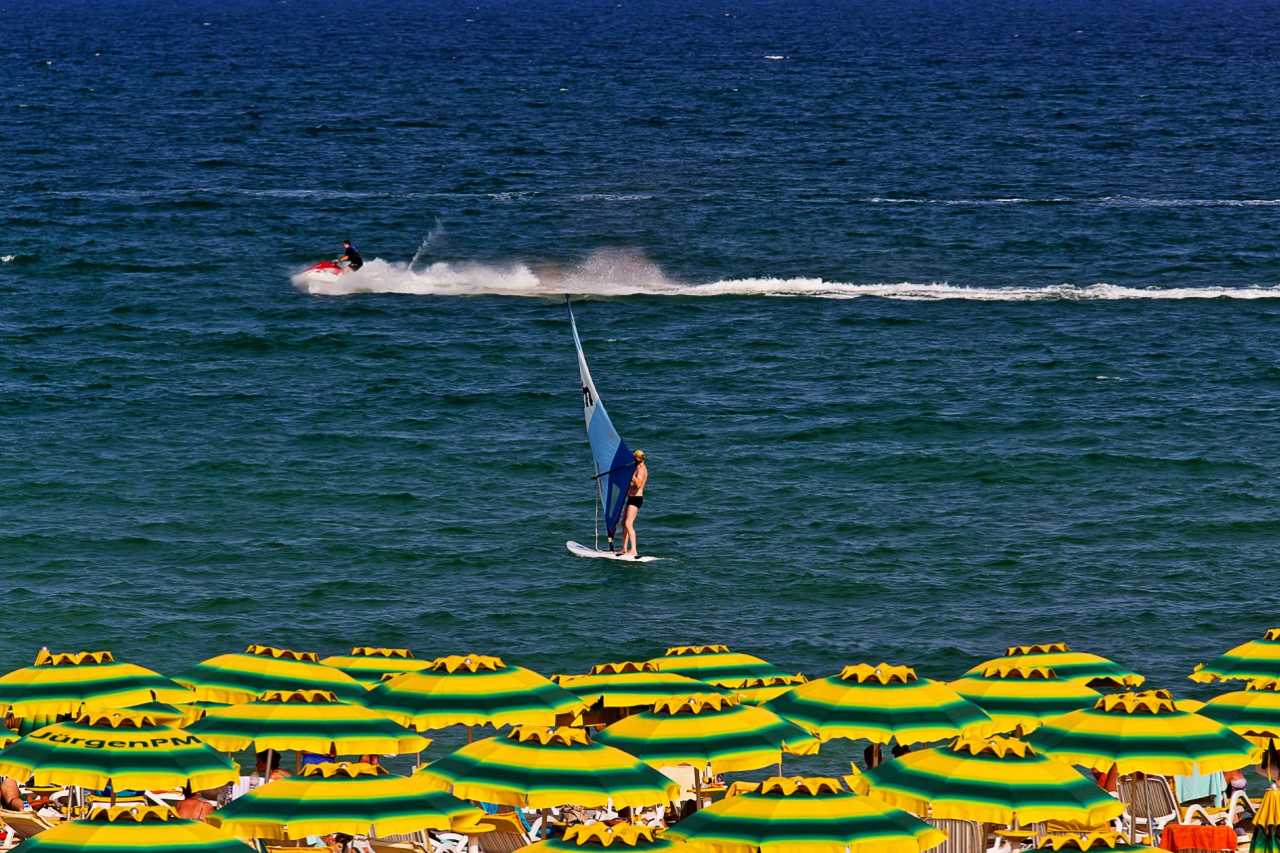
[945, 326]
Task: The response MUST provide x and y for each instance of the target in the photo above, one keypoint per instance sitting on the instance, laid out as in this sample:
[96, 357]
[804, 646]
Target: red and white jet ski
[323, 272]
[327, 268]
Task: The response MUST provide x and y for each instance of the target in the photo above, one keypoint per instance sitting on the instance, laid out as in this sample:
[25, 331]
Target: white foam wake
[616, 273]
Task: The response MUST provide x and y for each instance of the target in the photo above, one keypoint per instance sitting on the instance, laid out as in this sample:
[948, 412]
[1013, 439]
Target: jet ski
[326, 268]
[323, 272]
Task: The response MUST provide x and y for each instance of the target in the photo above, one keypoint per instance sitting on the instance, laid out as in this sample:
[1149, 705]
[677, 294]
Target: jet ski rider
[351, 256]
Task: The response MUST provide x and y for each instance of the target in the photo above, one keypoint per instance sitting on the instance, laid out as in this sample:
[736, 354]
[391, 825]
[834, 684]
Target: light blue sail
[614, 464]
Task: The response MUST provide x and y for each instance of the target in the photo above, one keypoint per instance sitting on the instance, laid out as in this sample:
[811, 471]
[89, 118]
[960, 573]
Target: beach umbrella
[163, 712]
[1253, 712]
[1017, 696]
[1092, 841]
[1246, 662]
[708, 731]
[754, 679]
[1094, 670]
[368, 664]
[61, 683]
[471, 690]
[1266, 824]
[125, 750]
[536, 767]
[242, 677]
[879, 703]
[310, 720]
[352, 799]
[1143, 733]
[797, 815]
[989, 780]
[630, 684]
[598, 837]
[148, 829]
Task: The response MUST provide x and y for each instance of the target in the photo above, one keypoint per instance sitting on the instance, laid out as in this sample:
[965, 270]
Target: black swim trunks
[636, 501]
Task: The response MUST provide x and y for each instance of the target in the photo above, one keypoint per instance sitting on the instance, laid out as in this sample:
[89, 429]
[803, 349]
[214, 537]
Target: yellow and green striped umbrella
[709, 730]
[538, 768]
[754, 679]
[471, 690]
[368, 664]
[879, 703]
[1253, 712]
[597, 837]
[66, 682]
[989, 780]
[1143, 733]
[152, 829]
[1022, 697]
[311, 720]
[123, 749]
[630, 684]
[163, 712]
[1098, 841]
[1266, 824]
[1254, 659]
[235, 678]
[353, 799]
[1094, 670]
[795, 815]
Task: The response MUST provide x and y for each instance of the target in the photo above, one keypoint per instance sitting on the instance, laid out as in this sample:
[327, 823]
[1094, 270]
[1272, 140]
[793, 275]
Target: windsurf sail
[613, 461]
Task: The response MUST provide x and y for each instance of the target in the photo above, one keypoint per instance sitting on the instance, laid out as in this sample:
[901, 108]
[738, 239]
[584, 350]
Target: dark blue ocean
[945, 325]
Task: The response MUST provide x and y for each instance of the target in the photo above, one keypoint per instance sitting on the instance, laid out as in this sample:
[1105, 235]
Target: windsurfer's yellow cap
[639, 455]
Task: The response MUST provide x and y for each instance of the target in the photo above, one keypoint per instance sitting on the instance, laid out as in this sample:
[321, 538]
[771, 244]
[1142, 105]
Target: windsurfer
[635, 500]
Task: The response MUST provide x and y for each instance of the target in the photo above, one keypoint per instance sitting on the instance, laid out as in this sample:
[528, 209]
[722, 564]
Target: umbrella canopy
[124, 749]
[66, 682]
[1143, 733]
[243, 677]
[1253, 712]
[152, 829]
[354, 799]
[1266, 824]
[709, 730]
[1099, 841]
[539, 768]
[311, 720]
[1022, 697]
[1254, 659]
[630, 684]
[879, 703]
[597, 837]
[368, 664]
[754, 679]
[989, 780]
[795, 815]
[1093, 670]
[163, 712]
[471, 690]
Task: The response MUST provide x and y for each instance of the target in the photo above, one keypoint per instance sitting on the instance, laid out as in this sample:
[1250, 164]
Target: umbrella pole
[1133, 816]
[697, 788]
[1151, 830]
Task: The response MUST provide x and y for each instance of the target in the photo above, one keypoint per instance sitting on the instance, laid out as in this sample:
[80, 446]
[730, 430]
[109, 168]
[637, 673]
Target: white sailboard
[577, 549]
[610, 456]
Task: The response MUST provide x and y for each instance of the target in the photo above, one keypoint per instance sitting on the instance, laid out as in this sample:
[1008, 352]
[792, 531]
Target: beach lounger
[1150, 806]
[415, 841]
[25, 824]
[508, 833]
[963, 836]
